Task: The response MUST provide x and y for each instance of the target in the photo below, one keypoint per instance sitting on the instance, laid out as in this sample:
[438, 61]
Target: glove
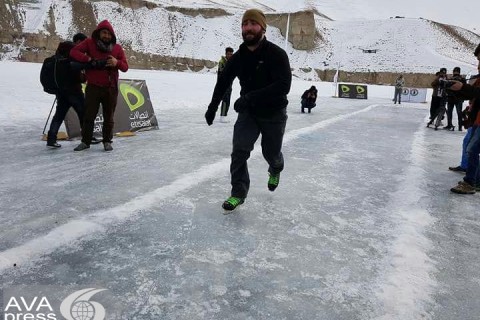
[210, 114]
[242, 104]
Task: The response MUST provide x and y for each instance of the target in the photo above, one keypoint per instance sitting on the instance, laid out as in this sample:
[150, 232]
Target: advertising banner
[414, 95]
[134, 111]
[352, 91]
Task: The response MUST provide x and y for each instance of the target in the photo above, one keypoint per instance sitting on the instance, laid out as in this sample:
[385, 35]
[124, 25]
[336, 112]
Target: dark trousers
[398, 95]
[245, 133]
[64, 102]
[94, 96]
[226, 102]
[437, 106]
[306, 104]
[458, 106]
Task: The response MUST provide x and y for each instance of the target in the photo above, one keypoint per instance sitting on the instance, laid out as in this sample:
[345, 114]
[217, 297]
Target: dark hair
[477, 51]
[79, 37]
[443, 70]
[228, 49]
[64, 48]
[456, 69]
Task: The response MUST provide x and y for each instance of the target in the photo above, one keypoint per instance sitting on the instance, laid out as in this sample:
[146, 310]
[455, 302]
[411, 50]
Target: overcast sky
[464, 13]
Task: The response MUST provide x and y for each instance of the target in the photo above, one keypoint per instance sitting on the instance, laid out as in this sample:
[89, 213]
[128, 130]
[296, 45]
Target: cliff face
[157, 36]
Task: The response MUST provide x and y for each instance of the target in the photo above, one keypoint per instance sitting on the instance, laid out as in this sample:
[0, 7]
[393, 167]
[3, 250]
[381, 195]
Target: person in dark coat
[471, 182]
[226, 98]
[453, 101]
[309, 99]
[70, 95]
[105, 58]
[265, 78]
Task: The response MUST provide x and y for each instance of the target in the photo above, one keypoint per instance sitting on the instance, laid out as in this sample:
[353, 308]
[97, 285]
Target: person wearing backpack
[59, 78]
[104, 57]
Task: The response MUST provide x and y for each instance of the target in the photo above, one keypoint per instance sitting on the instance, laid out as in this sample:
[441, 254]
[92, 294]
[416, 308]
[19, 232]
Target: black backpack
[55, 74]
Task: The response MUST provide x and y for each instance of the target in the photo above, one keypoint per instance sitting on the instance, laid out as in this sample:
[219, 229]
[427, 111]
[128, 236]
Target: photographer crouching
[104, 57]
[471, 181]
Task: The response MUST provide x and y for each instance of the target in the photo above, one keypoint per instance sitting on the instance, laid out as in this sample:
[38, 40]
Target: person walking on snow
[265, 78]
[105, 57]
[226, 98]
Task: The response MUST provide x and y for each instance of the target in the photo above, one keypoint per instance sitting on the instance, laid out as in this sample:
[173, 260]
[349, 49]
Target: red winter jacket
[88, 50]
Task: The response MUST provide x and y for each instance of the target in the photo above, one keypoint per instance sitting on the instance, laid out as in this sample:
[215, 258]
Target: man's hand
[456, 86]
[111, 61]
[241, 105]
[210, 114]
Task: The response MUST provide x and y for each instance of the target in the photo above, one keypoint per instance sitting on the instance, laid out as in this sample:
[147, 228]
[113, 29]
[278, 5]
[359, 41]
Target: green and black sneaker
[232, 202]
[273, 181]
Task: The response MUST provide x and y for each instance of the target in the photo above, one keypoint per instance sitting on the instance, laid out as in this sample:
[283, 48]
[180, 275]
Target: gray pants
[398, 95]
[245, 133]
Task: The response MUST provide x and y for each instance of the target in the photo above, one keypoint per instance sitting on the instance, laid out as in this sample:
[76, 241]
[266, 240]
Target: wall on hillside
[302, 32]
[418, 80]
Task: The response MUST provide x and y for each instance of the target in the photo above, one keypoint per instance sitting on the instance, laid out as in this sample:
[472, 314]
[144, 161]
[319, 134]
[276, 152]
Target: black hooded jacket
[264, 74]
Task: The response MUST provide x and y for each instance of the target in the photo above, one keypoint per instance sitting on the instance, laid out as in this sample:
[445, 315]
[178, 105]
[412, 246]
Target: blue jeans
[466, 140]
[473, 150]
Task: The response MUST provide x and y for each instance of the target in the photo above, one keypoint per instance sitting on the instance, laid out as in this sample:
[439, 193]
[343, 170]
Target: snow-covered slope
[402, 45]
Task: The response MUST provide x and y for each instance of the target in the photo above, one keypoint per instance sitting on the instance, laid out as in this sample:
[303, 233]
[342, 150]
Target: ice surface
[362, 226]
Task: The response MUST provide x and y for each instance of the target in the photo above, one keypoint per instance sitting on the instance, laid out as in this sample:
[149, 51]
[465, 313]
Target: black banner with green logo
[134, 111]
[352, 91]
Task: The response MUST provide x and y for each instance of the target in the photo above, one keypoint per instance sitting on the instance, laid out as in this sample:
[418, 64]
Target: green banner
[134, 111]
[352, 91]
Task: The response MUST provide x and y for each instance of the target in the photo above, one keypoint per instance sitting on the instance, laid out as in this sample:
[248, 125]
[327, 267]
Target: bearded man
[104, 57]
[265, 77]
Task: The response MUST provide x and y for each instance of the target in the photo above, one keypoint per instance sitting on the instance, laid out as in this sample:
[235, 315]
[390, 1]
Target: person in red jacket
[104, 57]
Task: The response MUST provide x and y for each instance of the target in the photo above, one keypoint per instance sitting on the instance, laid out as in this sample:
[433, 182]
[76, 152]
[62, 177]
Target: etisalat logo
[77, 306]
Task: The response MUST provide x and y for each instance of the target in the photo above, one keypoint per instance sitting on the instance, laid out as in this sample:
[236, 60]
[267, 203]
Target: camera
[445, 84]
[97, 64]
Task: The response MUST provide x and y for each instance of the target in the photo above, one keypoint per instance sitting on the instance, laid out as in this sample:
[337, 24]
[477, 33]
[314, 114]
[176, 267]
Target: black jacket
[264, 74]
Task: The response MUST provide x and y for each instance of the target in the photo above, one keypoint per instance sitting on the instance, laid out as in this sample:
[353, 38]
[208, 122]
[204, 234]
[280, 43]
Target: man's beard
[252, 41]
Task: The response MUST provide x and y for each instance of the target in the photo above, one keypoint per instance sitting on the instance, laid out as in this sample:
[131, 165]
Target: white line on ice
[406, 283]
[98, 221]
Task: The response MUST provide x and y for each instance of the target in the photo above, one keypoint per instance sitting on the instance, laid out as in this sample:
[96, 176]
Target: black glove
[210, 114]
[242, 104]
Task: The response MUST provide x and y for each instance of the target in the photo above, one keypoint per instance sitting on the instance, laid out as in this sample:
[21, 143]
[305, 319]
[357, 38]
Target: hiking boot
[82, 146]
[232, 202]
[457, 169]
[463, 188]
[53, 145]
[273, 181]
[107, 146]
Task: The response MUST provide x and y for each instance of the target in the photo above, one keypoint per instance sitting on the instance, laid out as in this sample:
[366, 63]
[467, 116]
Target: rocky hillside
[160, 35]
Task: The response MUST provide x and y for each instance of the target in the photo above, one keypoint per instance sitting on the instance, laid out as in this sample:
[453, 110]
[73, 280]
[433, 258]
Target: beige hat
[257, 16]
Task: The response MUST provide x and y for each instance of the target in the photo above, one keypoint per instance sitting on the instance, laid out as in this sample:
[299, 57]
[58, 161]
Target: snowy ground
[363, 225]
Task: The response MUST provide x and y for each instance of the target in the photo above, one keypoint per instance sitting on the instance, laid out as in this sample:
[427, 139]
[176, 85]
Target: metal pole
[286, 32]
[53, 104]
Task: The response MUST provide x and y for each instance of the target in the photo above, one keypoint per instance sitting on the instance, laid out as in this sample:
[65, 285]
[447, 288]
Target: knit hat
[257, 16]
